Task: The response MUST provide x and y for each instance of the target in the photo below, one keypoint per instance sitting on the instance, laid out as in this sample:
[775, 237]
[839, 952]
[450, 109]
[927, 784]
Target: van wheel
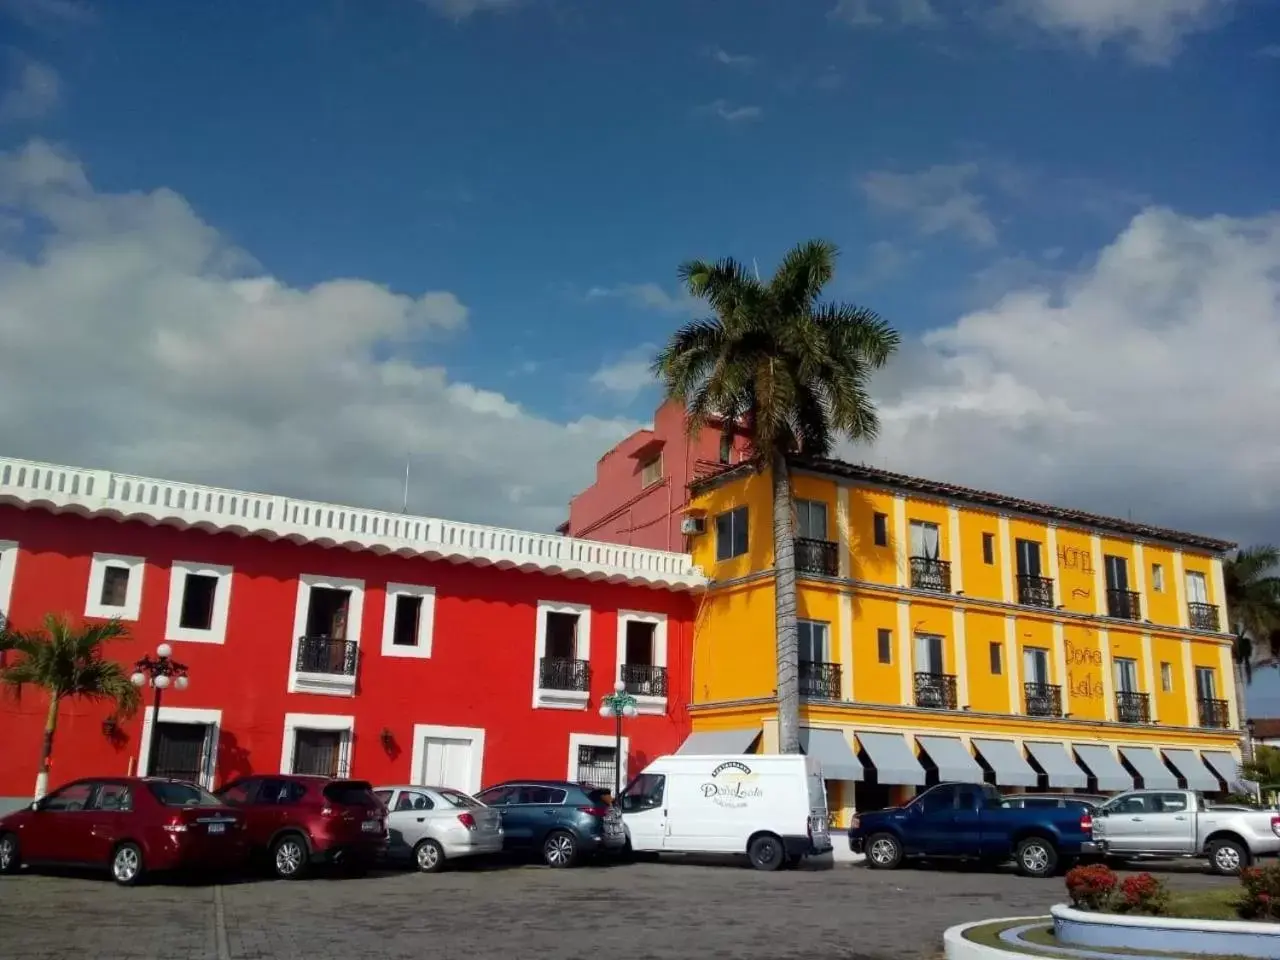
[884, 852]
[1228, 857]
[766, 852]
[1036, 857]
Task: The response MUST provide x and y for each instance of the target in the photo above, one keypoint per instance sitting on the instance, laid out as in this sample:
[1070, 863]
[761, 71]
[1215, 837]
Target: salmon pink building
[330, 639]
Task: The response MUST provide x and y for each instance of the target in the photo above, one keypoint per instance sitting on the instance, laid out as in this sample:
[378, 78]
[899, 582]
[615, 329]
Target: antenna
[757, 268]
[404, 508]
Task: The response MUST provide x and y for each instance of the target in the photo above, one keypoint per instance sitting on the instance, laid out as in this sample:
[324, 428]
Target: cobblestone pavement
[640, 911]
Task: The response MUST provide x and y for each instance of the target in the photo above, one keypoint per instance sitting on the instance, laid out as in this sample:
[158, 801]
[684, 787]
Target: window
[925, 540]
[1035, 665]
[327, 613]
[115, 587]
[645, 792]
[459, 800]
[199, 599]
[880, 527]
[404, 631]
[413, 800]
[731, 534]
[1170, 803]
[651, 472]
[1206, 683]
[596, 765]
[237, 794]
[929, 653]
[182, 795]
[383, 796]
[997, 659]
[884, 644]
[813, 641]
[811, 519]
[726, 446]
[989, 548]
[562, 656]
[116, 797]
[937, 801]
[280, 793]
[1157, 578]
[181, 751]
[1028, 552]
[642, 658]
[1197, 589]
[562, 636]
[326, 630]
[408, 620]
[498, 796]
[640, 636]
[320, 752]
[1166, 677]
[1134, 803]
[73, 797]
[198, 593]
[546, 796]
[1126, 675]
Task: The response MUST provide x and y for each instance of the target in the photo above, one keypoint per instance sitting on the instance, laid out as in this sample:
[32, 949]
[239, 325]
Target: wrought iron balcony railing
[1035, 591]
[1203, 616]
[1124, 605]
[1043, 699]
[559, 673]
[644, 680]
[820, 681]
[937, 691]
[930, 574]
[1215, 713]
[1132, 707]
[326, 655]
[817, 556]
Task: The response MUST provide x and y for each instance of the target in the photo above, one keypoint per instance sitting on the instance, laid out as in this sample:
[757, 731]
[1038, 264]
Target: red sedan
[131, 825]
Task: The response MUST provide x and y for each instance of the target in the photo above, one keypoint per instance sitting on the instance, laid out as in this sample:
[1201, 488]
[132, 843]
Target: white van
[772, 807]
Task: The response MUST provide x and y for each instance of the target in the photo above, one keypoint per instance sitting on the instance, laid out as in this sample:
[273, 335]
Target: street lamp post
[161, 672]
[618, 704]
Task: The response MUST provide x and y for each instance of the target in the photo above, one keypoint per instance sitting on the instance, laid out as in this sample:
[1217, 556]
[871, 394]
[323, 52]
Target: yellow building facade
[950, 633]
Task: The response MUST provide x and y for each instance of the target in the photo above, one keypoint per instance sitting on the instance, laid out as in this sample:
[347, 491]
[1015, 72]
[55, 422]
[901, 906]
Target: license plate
[613, 828]
[371, 826]
[217, 828]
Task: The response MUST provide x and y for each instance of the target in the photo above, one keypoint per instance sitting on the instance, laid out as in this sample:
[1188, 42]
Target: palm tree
[67, 662]
[1253, 612]
[795, 371]
[1263, 769]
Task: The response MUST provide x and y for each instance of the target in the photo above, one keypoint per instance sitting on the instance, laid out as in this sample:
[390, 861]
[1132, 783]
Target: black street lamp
[618, 704]
[160, 672]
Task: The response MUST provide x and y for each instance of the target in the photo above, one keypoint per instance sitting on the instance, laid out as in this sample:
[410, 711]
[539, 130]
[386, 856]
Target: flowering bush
[1091, 887]
[1143, 893]
[1260, 893]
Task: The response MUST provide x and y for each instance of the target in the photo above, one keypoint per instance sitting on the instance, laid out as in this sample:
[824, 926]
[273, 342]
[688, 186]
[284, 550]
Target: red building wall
[480, 672]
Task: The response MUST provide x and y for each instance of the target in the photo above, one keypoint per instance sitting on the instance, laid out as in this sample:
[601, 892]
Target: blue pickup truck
[970, 821]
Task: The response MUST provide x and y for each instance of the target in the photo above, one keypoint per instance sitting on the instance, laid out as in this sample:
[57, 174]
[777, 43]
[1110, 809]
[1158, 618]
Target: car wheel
[884, 852]
[1228, 857]
[10, 860]
[429, 856]
[289, 857]
[126, 864]
[766, 852]
[1036, 857]
[560, 849]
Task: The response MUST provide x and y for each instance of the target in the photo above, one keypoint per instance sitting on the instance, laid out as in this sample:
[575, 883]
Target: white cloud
[34, 92]
[48, 14]
[137, 339]
[724, 57]
[461, 9]
[732, 113]
[630, 375]
[1271, 50]
[650, 296]
[1146, 384]
[874, 13]
[938, 200]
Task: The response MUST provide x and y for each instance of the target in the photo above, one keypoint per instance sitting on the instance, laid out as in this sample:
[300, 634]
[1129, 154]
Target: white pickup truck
[1167, 824]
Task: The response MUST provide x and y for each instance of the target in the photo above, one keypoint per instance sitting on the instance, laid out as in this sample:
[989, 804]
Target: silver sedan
[432, 825]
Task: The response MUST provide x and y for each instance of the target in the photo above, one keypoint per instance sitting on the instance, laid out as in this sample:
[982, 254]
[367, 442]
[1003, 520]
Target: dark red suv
[298, 820]
[130, 825]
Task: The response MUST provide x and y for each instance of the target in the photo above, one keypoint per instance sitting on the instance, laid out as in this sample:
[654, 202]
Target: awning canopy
[1193, 770]
[1104, 766]
[711, 743]
[953, 761]
[1155, 775]
[892, 758]
[1057, 764]
[1011, 769]
[833, 751]
[1224, 765]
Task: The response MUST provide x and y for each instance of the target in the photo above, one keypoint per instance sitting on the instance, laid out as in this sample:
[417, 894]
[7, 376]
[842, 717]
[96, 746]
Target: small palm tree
[796, 372]
[67, 662]
[1253, 612]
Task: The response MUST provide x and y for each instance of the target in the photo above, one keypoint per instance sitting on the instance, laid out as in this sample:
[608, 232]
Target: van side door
[644, 811]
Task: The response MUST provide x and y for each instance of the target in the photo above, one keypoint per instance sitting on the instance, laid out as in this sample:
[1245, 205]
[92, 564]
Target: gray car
[430, 826]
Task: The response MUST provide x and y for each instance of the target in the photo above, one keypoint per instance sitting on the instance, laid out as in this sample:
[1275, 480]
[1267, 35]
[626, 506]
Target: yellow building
[948, 633]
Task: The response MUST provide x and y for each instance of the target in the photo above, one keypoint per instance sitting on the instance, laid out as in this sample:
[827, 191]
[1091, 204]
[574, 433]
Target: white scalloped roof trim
[100, 493]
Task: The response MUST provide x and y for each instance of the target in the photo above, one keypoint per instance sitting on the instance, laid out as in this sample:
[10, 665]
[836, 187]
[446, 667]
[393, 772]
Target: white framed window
[1157, 577]
[448, 757]
[408, 621]
[592, 757]
[8, 569]
[115, 586]
[326, 635]
[317, 743]
[1166, 677]
[562, 656]
[642, 659]
[186, 744]
[199, 600]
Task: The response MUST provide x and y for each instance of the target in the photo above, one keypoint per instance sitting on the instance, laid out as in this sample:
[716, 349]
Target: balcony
[930, 574]
[936, 691]
[643, 680]
[821, 557]
[325, 665]
[1133, 707]
[1035, 591]
[1203, 616]
[1043, 699]
[1123, 605]
[1215, 713]
[820, 681]
[563, 683]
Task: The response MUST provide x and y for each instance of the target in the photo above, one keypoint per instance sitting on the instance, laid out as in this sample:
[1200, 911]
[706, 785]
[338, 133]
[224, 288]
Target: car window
[1040, 802]
[173, 794]
[113, 797]
[349, 793]
[935, 801]
[1137, 803]
[645, 792]
[460, 800]
[413, 800]
[280, 792]
[1012, 803]
[497, 796]
[541, 795]
[237, 793]
[383, 797]
[1171, 803]
[73, 797]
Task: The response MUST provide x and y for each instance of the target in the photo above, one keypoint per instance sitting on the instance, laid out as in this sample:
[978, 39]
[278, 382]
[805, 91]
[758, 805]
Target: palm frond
[69, 662]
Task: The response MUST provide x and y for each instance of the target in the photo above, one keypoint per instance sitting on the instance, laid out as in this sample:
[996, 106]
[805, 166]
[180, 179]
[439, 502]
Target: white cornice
[100, 493]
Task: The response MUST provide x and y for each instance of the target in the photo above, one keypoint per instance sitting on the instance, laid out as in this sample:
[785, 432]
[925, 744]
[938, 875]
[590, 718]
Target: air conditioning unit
[692, 526]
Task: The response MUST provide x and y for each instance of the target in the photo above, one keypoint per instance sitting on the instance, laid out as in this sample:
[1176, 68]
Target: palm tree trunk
[784, 562]
[46, 750]
[1242, 713]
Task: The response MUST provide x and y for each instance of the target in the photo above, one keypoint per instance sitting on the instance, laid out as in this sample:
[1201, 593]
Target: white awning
[1057, 764]
[833, 751]
[1193, 770]
[1104, 766]
[892, 758]
[951, 758]
[713, 743]
[1224, 765]
[1155, 775]
[1011, 768]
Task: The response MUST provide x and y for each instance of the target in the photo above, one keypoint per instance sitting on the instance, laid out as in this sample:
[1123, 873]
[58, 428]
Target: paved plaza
[641, 911]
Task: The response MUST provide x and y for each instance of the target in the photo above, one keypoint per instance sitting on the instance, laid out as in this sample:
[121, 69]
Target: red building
[331, 639]
[642, 484]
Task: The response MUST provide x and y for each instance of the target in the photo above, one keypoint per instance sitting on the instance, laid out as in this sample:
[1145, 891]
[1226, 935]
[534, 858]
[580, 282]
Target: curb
[956, 947]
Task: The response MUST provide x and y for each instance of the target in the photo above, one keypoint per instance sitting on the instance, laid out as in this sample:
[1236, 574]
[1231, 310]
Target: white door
[447, 763]
[644, 811]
